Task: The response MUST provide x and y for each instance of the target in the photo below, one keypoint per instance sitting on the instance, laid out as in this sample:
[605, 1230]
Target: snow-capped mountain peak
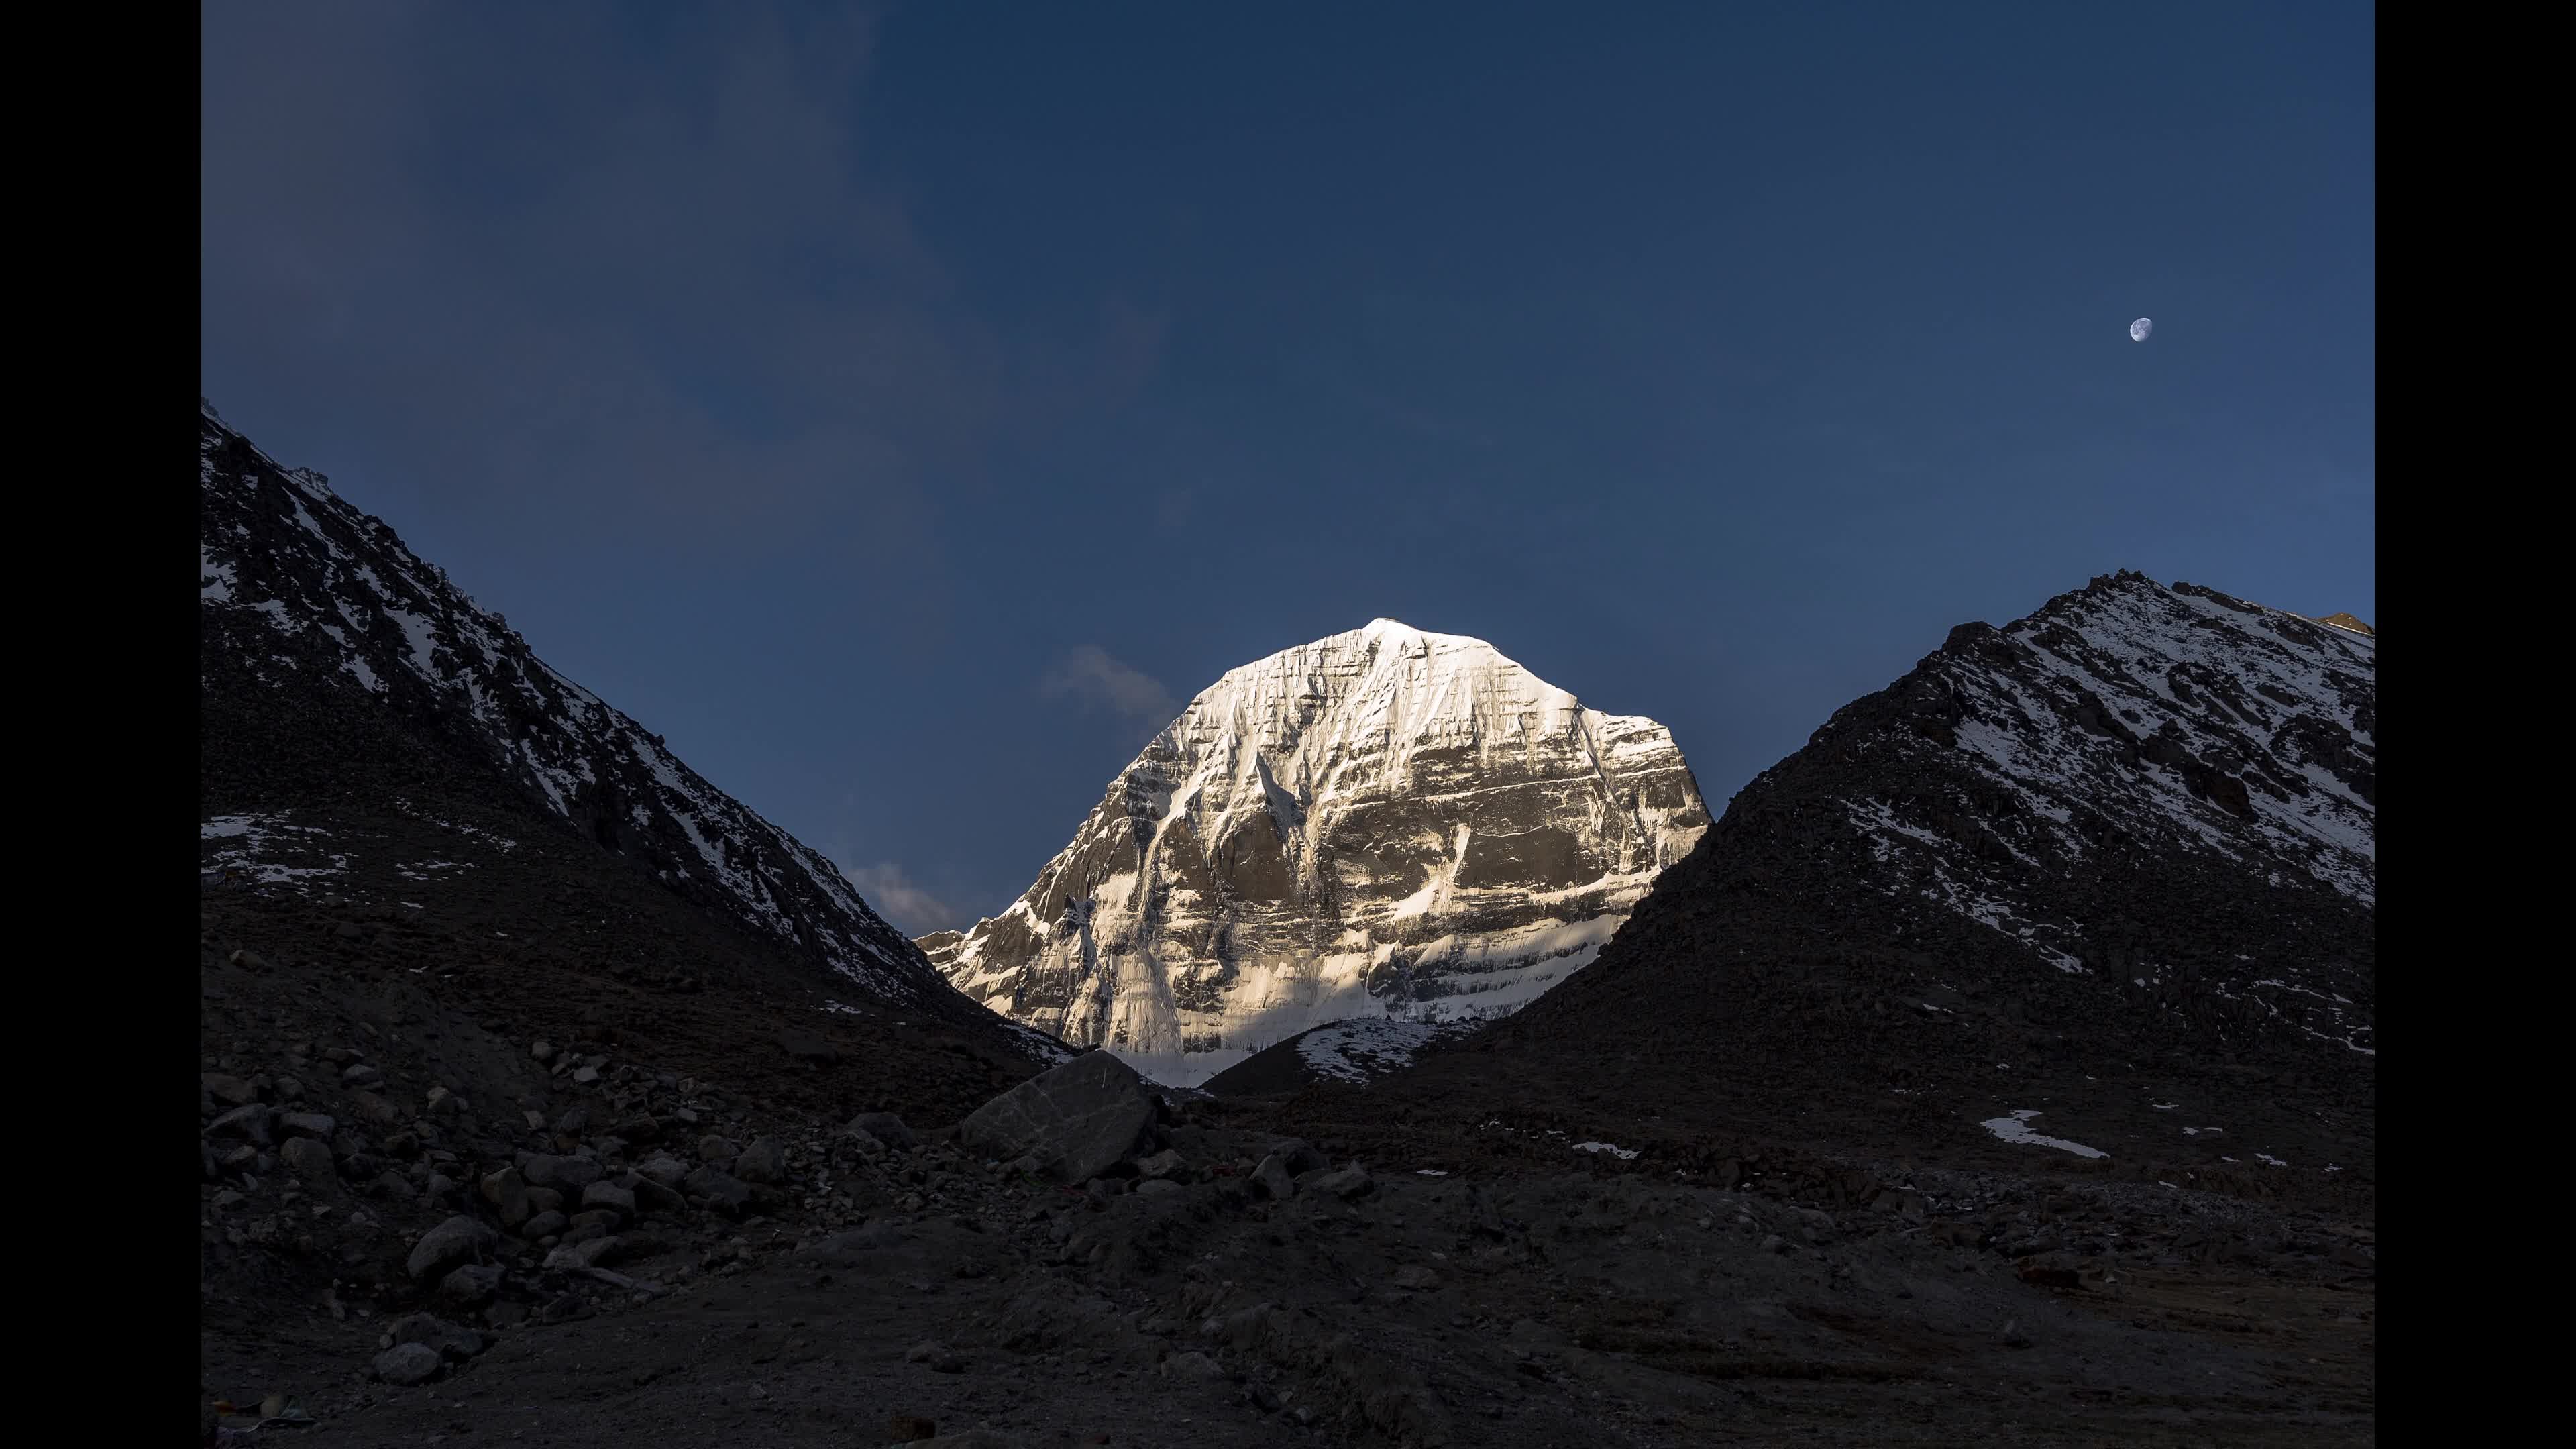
[1385, 821]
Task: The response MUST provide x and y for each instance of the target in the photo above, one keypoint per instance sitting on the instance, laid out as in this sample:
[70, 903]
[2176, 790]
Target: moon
[2139, 329]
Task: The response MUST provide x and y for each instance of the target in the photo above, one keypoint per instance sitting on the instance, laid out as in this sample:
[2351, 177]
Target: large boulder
[508, 1191]
[719, 1189]
[407, 1364]
[471, 1286]
[309, 1160]
[1078, 1119]
[763, 1162]
[606, 1196]
[452, 1244]
[250, 1122]
[885, 1127]
[563, 1174]
[451, 1341]
[1272, 1177]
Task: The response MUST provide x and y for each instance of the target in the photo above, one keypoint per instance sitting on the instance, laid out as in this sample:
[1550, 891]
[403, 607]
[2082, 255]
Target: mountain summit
[1383, 823]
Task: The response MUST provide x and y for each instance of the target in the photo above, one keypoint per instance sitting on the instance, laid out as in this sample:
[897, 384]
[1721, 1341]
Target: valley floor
[868, 1296]
[1530, 1312]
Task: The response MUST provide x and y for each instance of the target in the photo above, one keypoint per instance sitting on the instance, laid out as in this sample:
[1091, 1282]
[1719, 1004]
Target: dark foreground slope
[2110, 866]
[423, 854]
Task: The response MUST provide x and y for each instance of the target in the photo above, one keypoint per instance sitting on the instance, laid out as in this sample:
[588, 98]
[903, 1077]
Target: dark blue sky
[903, 411]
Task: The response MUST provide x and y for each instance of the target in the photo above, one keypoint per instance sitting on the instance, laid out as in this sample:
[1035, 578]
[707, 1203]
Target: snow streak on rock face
[2130, 721]
[1383, 823]
[294, 581]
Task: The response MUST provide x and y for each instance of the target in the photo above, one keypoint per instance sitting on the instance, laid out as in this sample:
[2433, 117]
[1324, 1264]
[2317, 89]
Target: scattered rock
[407, 1364]
[652, 1197]
[1192, 1366]
[563, 1174]
[664, 1169]
[763, 1161]
[713, 1148]
[718, 1189]
[543, 1225]
[911, 1428]
[232, 1091]
[309, 1160]
[1299, 1158]
[937, 1355]
[508, 1192]
[1272, 1177]
[471, 1286]
[1346, 1183]
[1158, 1187]
[451, 1244]
[1162, 1164]
[307, 1124]
[885, 1127]
[249, 1122]
[448, 1340]
[2012, 1335]
[609, 1197]
[589, 1253]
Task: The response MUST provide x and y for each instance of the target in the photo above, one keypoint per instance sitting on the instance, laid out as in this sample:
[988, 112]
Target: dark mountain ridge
[337, 668]
[2111, 866]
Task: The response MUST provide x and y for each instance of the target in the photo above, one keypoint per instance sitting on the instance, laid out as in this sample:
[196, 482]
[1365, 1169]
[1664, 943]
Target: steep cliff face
[1383, 823]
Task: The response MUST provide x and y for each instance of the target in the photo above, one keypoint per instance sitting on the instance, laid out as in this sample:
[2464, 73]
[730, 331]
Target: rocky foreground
[574, 1244]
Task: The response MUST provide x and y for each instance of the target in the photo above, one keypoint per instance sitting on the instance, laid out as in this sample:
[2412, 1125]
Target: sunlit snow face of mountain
[1385, 822]
[296, 584]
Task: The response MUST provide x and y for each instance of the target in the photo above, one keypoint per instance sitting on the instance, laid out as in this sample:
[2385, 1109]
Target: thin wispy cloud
[1088, 675]
[911, 909]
